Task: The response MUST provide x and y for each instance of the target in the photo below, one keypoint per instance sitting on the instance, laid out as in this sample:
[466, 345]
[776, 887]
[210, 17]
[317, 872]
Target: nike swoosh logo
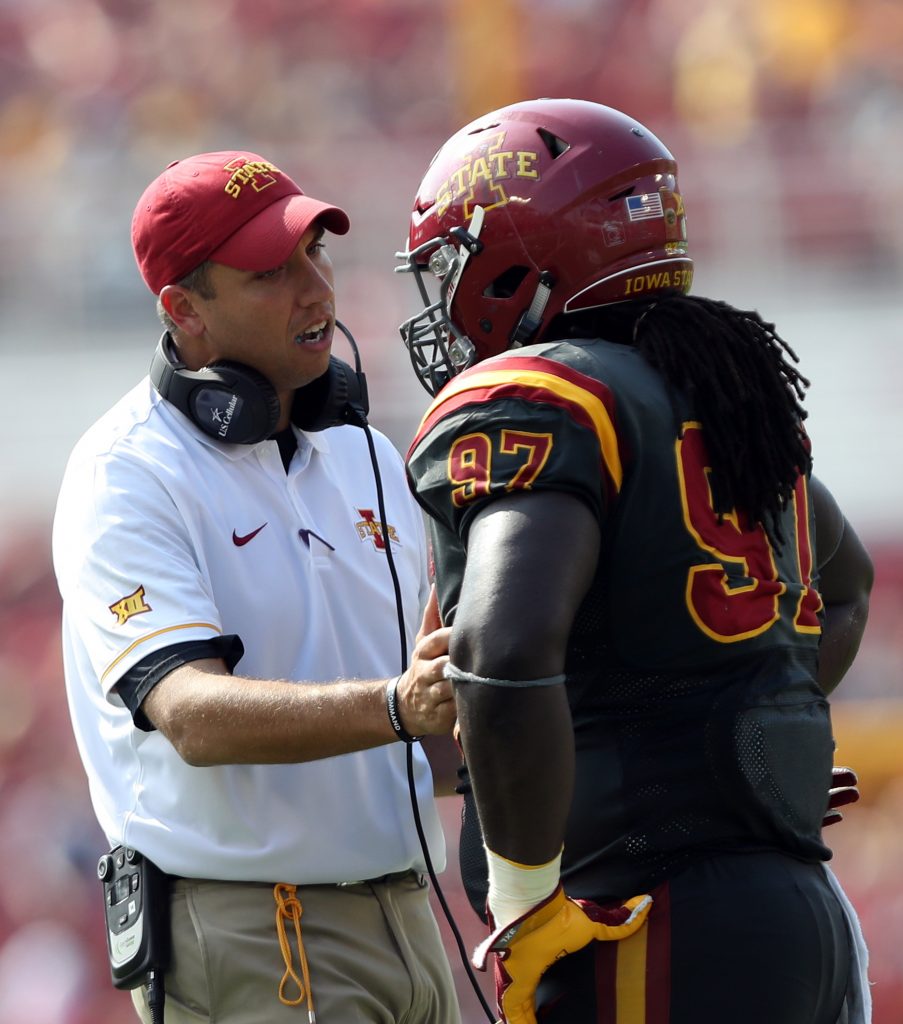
[240, 541]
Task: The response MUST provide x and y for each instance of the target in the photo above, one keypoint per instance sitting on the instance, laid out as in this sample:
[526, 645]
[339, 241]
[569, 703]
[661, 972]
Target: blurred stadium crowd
[786, 115]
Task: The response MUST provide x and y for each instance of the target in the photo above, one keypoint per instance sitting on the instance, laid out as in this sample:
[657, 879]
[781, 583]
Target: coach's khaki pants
[374, 952]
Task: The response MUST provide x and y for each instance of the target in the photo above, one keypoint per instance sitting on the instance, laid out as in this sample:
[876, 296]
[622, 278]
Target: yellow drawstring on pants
[288, 907]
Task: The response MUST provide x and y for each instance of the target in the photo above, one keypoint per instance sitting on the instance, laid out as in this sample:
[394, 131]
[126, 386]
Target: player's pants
[374, 952]
[738, 939]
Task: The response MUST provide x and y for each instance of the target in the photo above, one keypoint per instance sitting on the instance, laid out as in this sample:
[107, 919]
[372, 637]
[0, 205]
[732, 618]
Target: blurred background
[786, 117]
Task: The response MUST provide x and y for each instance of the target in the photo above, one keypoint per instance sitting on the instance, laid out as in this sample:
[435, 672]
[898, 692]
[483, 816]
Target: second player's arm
[846, 575]
[530, 560]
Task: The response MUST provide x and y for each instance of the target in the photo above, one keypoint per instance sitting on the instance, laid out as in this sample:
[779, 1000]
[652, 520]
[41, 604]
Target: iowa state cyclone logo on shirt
[370, 528]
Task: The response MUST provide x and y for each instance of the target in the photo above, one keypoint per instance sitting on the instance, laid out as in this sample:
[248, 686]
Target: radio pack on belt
[136, 904]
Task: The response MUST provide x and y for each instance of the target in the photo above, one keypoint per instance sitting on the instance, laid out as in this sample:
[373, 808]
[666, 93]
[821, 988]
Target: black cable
[440, 895]
[156, 996]
[384, 528]
[412, 788]
[361, 421]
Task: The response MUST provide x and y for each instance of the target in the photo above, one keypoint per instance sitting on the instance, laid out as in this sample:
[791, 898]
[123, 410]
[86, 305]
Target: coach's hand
[527, 947]
[426, 700]
[844, 790]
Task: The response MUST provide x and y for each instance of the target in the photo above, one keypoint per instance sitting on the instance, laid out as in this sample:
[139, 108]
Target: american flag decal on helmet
[645, 207]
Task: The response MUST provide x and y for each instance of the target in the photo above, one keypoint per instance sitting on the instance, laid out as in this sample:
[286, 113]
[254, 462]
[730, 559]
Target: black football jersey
[691, 663]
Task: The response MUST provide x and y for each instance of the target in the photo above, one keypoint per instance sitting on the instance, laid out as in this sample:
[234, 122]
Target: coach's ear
[182, 308]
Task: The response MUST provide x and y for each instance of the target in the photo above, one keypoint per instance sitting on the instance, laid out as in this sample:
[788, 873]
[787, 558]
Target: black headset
[235, 403]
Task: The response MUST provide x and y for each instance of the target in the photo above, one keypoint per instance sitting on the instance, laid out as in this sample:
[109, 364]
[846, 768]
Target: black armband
[394, 716]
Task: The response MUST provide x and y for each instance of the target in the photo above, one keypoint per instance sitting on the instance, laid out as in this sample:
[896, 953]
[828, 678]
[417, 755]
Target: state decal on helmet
[544, 207]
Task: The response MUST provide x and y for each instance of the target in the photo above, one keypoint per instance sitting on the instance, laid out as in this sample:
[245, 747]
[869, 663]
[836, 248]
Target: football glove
[527, 947]
[844, 790]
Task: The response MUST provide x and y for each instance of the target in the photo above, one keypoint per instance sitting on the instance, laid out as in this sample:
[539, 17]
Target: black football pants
[754, 938]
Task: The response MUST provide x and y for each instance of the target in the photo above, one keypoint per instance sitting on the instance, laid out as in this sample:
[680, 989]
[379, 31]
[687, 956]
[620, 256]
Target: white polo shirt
[164, 535]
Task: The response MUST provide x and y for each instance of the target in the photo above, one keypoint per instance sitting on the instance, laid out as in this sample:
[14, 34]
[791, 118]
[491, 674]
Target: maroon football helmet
[543, 207]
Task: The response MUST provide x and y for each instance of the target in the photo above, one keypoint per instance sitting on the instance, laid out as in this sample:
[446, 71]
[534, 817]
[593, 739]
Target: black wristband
[394, 717]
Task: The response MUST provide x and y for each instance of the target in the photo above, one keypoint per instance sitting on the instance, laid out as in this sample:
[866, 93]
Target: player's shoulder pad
[516, 422]
[532, 380]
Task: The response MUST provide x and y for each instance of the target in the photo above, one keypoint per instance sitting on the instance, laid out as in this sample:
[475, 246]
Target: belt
[392, 876]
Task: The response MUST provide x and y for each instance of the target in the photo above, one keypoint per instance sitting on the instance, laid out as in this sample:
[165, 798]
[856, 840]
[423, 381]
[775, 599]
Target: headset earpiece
[229, 401]
[337, 397]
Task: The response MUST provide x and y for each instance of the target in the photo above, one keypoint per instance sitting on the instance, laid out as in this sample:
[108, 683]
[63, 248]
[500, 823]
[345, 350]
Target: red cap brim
[271, 237]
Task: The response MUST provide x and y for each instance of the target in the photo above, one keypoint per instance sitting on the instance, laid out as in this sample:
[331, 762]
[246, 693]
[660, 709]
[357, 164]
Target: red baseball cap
[231, 207]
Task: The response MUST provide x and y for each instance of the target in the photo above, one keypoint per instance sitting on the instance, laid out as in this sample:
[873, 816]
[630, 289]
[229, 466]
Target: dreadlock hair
[732, 369]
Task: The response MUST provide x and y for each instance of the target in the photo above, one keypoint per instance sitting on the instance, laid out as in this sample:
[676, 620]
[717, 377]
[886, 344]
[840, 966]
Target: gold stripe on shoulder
[572, 393]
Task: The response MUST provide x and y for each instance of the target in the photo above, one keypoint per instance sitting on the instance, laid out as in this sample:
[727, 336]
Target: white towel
[857, 1007]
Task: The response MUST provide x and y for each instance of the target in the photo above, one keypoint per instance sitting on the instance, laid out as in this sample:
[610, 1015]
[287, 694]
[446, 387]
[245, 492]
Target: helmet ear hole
[506, 284]
[556, 146]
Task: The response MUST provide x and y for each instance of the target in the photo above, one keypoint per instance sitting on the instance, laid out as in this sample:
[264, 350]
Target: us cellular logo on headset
[225, 419]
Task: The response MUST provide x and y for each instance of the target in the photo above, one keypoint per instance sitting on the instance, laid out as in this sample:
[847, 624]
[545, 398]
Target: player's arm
[531, 558]
[846, 574]
[444, 757]
[212, 717]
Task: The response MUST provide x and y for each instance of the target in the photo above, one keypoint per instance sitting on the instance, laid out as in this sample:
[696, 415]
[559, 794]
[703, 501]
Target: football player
[650, 595]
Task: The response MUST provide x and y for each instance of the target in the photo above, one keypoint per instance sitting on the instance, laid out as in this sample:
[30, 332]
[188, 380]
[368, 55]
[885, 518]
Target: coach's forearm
[215, 718]
[212, 717]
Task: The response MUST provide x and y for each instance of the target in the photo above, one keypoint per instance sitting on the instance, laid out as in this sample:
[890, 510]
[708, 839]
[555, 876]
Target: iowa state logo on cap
[256, 173]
